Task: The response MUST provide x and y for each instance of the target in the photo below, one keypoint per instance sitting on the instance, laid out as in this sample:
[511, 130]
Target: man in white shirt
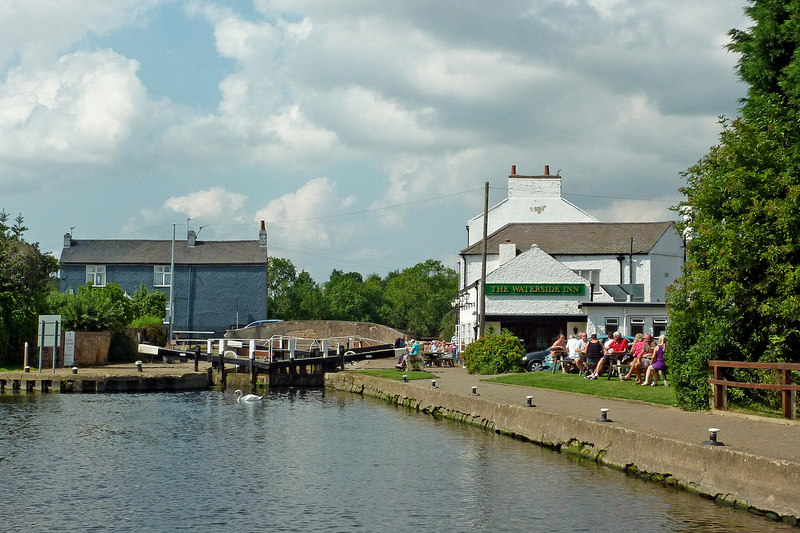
[574, 348]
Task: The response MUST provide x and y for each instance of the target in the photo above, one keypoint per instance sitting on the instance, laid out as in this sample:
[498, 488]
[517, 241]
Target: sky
[361, 131]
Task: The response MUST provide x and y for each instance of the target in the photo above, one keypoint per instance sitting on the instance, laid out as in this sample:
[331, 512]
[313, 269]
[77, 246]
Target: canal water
[306, 461]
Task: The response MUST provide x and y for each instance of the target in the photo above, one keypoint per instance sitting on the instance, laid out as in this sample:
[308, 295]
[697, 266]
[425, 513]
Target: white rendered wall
[530, 199]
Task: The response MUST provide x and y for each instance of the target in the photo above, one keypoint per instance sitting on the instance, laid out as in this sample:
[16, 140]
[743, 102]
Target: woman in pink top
[638, 351]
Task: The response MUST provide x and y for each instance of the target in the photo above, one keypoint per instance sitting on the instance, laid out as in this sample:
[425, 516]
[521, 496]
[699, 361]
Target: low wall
[731, 477]
[319, 329]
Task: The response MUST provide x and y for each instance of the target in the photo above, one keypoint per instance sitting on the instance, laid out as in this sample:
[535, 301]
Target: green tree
[25, 281]
[146, 303]
[739, 296]
[345, 296]
[419, 298]
[93, 308]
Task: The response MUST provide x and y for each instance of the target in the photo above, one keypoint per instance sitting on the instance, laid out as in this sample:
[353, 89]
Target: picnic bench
[787, 389]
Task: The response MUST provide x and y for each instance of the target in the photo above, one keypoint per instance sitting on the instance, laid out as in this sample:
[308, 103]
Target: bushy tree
[494, 354]
[420, 298]
[739, 296]
[146, 303]
[93, 308]
[25, 280]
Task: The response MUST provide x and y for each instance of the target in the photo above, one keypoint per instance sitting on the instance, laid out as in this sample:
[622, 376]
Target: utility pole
[262, 242]
[482, 284]
[171, 286]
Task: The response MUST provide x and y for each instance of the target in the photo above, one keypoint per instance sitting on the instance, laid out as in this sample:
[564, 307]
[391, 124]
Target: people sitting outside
[637, 352]
[411, 354]
[658, 364]
[616, 350]
[574, 348]
[400, 342]
[559, 348]
[594, 354]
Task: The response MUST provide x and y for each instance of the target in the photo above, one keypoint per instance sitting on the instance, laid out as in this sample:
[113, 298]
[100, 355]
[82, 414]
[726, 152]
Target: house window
[637, 326]
[593, 277]
[612, 325]
[162, 276]
[96, 275]
[659, 327]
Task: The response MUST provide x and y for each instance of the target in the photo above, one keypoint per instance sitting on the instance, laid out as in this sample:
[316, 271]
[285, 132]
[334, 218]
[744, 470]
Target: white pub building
[552, 268]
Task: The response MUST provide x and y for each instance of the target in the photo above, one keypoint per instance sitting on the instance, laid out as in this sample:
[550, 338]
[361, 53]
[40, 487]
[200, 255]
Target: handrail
[787, 389]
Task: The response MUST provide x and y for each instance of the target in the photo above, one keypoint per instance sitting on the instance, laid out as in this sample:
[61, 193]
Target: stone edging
[730, 477]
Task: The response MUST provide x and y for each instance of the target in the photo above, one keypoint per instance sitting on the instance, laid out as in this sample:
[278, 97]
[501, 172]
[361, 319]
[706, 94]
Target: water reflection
[304, 460]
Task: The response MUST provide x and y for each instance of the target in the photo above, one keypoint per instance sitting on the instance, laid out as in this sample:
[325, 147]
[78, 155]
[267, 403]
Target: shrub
[154, 334]
[122, 349]
[494, 354]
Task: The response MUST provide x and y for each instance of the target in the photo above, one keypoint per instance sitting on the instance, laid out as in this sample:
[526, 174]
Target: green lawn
[392, 373]
[615, 388]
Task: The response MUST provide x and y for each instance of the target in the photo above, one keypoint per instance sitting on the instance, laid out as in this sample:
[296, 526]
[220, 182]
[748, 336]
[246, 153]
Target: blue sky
[361, 131]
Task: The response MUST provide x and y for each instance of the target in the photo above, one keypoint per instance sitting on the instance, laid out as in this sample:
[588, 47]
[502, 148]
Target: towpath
[777, 439]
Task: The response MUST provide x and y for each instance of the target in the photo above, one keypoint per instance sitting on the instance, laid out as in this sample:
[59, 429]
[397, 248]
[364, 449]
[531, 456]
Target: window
[162, 276]
[659, 327]
[96, 275]
[593, 277]
[612, 325]
[637, 326]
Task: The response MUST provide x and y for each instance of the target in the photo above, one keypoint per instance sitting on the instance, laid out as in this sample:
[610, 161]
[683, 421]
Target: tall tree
[25, 275]
[419, 298]
[739, 296]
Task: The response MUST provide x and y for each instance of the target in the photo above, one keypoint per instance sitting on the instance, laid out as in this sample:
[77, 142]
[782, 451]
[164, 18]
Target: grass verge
[392, 373]
[626, 390]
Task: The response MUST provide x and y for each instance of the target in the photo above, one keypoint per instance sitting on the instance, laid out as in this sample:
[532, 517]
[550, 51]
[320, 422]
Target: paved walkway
[772, 438]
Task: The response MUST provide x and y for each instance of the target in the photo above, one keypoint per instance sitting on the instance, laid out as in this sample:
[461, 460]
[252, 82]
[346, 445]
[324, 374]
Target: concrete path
[777, 439]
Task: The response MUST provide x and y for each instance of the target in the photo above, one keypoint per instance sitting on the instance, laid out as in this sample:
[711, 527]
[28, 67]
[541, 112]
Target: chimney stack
[191, 237]
[67, 240]
[262, 235]
[547, 170]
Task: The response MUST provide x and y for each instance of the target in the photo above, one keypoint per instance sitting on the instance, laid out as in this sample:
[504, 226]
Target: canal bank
[757, 470]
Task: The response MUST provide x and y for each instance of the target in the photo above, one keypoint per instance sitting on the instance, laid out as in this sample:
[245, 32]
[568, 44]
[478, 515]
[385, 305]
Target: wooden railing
[787, 389]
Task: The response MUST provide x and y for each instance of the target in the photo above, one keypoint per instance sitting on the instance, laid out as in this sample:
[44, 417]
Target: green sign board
[536, 289]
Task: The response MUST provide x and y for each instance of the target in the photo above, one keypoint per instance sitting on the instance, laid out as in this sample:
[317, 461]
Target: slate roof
[132, 252]
[577, 238]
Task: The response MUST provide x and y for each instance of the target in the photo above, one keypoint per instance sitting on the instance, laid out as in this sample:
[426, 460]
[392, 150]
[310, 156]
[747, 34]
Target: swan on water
[246, 397]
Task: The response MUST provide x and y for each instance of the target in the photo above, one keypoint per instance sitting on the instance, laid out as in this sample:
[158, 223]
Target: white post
[252, 352]
[324, 347]
[292, 345]
[222, 346]
[210, 346]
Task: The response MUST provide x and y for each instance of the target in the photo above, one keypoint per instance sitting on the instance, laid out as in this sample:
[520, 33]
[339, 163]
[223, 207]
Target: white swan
[246, 397]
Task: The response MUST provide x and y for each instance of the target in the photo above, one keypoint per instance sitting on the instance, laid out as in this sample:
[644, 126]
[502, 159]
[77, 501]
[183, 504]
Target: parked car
[535, 361]
[262, 322]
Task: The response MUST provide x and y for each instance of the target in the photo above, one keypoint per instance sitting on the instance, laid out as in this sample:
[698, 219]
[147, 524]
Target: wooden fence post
[788, 397]
[720, 391]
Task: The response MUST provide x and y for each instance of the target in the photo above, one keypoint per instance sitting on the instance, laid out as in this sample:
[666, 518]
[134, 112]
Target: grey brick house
[217, 284]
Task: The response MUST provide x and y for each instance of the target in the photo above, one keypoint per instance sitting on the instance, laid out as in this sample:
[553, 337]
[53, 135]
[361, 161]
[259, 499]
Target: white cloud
[39, 30]
[211, 204]
[80, 108]
[305, 217]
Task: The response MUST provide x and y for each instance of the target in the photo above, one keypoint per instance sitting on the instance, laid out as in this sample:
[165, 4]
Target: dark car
[535, 361]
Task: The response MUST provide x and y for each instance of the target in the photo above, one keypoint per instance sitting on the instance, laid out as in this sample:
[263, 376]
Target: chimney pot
[547, 170]
[513, 170]
[263, 226]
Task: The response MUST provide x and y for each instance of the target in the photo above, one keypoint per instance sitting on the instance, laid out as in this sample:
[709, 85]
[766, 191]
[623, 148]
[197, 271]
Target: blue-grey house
[216, 284]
